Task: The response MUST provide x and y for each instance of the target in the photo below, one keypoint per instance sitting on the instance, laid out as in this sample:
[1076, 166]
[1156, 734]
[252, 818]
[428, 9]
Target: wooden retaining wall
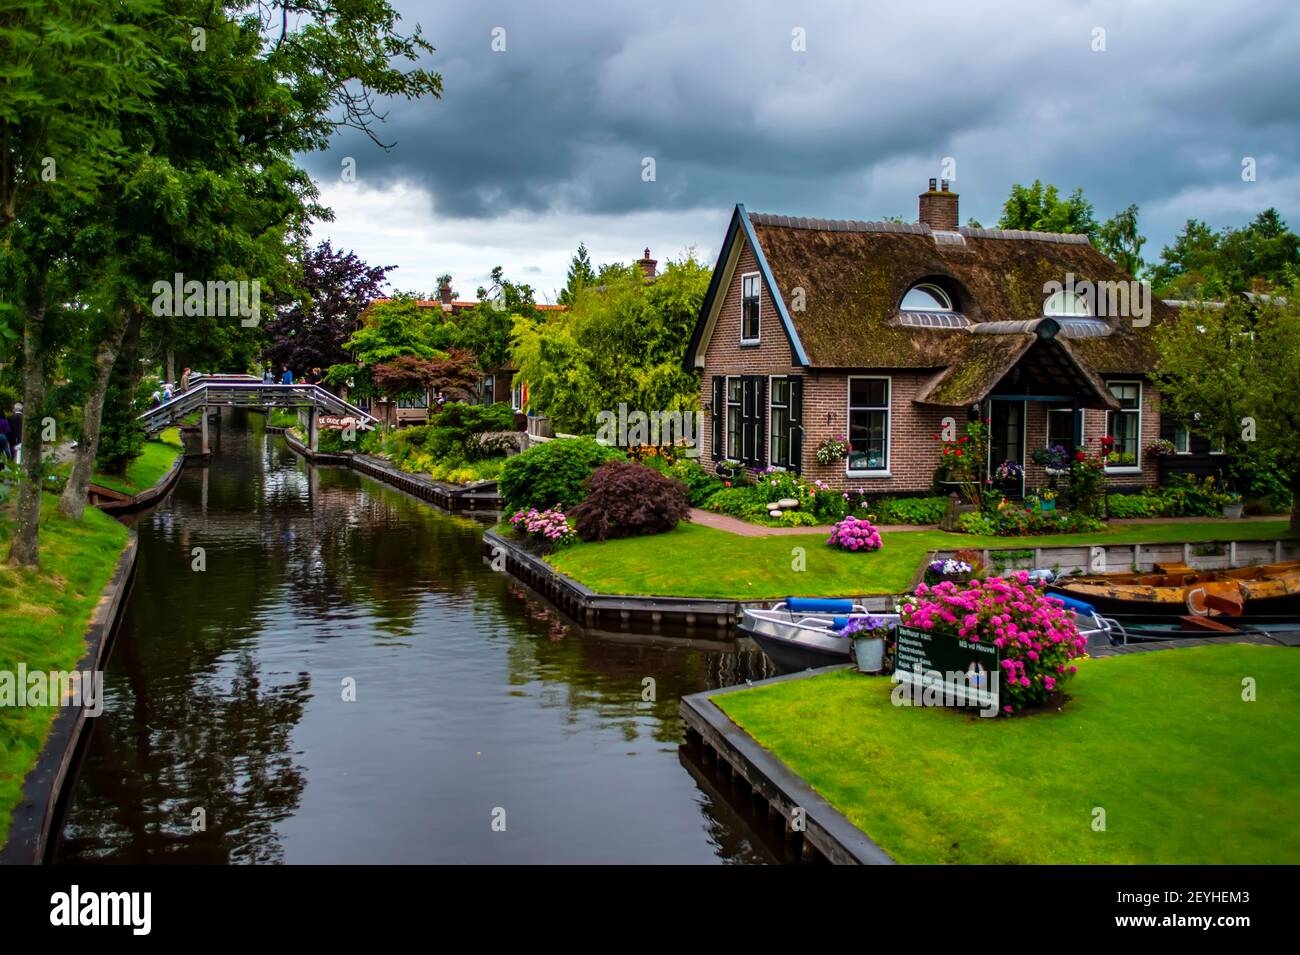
[114, 502]
[1205, 555]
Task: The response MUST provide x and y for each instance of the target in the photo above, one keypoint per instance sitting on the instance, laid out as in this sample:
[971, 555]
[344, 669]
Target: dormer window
[1066, 304]
[926, 297]
[749, 308]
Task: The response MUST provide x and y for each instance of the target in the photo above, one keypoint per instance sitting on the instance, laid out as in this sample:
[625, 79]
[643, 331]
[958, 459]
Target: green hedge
[552, 474]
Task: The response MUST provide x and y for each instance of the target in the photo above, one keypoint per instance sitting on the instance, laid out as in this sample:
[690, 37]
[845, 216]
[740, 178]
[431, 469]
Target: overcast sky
[543, 144]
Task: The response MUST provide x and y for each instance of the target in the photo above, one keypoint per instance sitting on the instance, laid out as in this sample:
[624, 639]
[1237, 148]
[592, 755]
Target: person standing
[5, 444]
[287, 377]
[268, 375]
[185, 382]
[16, 432]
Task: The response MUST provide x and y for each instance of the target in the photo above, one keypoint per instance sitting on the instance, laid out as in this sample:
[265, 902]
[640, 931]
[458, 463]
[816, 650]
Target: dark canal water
[225, 694]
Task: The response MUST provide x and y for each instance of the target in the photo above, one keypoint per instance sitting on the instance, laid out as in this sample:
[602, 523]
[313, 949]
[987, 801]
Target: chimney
[444, 290]
[939, 208]
[648, 266]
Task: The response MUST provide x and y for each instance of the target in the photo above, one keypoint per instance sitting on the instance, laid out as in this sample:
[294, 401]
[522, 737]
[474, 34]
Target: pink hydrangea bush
[855, 533]
[1037, 636]
[549, 528]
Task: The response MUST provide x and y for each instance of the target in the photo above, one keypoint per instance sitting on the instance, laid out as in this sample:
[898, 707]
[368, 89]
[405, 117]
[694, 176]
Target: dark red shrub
[627, 500]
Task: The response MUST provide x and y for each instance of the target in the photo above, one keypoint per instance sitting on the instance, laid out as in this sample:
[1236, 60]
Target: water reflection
[228, 694]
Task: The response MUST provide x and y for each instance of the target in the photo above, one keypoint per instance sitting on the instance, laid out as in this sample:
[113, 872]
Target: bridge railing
[255, 394]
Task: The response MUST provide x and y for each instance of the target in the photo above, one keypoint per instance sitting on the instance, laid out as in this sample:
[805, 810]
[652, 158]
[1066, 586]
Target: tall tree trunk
[75, 494]
[24, 549]
[171, 365]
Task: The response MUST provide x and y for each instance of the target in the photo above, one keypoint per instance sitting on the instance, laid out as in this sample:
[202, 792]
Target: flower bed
[1036, 636]
[546, 530]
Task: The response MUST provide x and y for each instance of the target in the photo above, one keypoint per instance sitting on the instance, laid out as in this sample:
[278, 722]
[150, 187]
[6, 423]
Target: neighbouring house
[879, 331]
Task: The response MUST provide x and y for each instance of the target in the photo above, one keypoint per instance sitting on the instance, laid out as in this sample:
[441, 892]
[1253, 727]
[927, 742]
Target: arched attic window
[926, 297]
[1066, 304]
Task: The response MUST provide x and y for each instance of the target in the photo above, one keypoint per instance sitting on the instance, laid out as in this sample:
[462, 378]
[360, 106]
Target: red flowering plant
[1087, 489]
[1036, 636]
[961, 460]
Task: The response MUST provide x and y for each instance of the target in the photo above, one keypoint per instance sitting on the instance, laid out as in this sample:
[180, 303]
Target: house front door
[1007, 443]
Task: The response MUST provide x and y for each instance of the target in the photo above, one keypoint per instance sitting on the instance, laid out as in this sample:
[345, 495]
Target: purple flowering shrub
[549, 528]
[1036, 635]
[855, 533]
[627, 500]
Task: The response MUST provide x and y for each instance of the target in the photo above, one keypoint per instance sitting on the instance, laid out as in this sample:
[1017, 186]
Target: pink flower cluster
[855, 533]
[549, 524]
[1037, 637]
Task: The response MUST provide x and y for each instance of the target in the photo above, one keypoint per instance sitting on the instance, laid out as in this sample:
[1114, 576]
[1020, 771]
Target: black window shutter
[795, 416]
[760, 421]
[746, 454]
[719, 417]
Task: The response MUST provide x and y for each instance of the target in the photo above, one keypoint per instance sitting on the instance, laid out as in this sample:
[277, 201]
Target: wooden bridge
[246, 391]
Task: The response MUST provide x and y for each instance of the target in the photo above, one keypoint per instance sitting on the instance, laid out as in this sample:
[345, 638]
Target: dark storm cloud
[562, 119]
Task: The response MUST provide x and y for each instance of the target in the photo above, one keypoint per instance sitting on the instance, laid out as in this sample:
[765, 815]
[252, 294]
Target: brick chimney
[444, 290]
[648, 266]
[939, 208]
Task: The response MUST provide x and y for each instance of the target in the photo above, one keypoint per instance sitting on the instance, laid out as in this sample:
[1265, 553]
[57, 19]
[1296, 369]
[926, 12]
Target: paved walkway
[734, 525]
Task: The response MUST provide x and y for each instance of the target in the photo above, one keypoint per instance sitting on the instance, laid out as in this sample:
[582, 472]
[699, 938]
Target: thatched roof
[855, 274]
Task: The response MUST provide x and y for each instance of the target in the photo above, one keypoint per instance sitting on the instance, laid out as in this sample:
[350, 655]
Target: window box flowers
[1035, 635]
[855, 534]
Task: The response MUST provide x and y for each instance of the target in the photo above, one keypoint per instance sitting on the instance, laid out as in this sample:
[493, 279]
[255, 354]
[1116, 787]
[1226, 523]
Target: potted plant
[832, 449]
[1047, 500]
[1233, 505]
[868, 636]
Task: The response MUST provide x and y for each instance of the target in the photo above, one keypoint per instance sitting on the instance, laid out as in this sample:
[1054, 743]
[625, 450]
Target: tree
[396, 329]
[620, 342]
[486, 329]
[1263, 256]
[1230, 372]
[1119, 239]
[581, 274]
[336, 287]
[1039, 208]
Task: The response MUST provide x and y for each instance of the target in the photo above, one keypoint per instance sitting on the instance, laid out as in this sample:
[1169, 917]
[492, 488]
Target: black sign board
[965, 672]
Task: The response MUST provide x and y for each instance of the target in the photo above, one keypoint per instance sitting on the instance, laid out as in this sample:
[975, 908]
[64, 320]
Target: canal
[316, 668]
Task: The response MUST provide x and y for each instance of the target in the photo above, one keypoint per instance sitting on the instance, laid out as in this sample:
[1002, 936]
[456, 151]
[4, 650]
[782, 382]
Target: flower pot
[1047, 505]
[869, 653]
[1234, 510]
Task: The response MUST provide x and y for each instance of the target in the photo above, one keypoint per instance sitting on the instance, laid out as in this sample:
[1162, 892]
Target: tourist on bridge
[268, 374]
[185, 381]
[287, 377]
[167, 392]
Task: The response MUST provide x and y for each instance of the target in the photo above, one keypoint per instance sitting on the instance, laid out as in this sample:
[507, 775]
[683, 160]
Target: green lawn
[1185, 770]
[694, 561]
[45, 616]
[146, 470]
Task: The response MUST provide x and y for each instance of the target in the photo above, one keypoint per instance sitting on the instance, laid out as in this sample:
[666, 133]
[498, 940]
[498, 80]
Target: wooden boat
[1176, 589]
[1143, 629]
[801, 633]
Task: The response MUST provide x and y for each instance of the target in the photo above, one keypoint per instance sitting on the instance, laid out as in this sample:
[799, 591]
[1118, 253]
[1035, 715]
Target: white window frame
[771, 404]
[1187, 433]
[758, 281]
[517, 394]
[1047, 428]
[889, 423]
[726, 417]
[404, 404]
[943, 301]
[1137, 454]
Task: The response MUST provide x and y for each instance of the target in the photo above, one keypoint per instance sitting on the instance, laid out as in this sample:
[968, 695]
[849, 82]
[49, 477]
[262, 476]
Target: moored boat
[802, 633]
[1176, 590]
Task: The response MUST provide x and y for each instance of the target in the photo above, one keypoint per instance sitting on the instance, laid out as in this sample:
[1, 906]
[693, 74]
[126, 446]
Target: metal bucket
[869, 653]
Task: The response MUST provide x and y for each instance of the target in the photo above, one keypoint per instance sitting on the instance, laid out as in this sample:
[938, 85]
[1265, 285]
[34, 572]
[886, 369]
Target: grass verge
[46, 613]
[1185, 771]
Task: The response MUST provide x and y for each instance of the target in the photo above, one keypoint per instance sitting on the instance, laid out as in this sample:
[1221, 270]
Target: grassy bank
[146, 470]
[1185, 770]
[46, 613]
[694, 561]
